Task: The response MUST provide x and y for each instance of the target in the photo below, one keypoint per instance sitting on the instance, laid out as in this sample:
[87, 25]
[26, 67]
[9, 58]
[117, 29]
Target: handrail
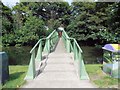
[35, 46]
[31, 73]
[47, 48]
[51, 34]
[74, 41]
[75, 48]
[41, 40]
[66, 34]
[76, 44]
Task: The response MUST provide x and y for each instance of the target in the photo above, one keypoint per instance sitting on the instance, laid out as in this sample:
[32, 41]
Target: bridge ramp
[58, 72]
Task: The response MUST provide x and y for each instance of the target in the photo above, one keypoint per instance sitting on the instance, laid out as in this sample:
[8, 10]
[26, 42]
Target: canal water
[92, 54]
[18, 55]
[21, 55]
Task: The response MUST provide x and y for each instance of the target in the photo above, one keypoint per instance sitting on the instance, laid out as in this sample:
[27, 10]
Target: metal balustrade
[71, 45]
[50, 42]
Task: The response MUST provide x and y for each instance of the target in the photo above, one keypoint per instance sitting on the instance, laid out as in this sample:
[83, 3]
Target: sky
[11, 3]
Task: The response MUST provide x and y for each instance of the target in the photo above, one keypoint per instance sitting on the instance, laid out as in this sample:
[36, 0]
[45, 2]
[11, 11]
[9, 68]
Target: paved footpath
[59, 72]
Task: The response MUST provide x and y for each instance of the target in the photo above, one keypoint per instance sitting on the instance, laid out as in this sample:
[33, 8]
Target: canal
[21, 55]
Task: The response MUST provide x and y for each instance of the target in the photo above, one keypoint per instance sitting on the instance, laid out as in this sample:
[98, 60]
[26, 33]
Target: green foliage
[6, 19]
[32, 30]
[97, 22]
[92, 21]
[30, 33]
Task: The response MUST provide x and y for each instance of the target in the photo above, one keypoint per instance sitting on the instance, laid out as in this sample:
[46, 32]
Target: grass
[99, 78]
[16, 79]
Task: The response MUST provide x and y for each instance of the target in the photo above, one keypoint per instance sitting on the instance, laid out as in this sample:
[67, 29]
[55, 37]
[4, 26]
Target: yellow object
[116, 46]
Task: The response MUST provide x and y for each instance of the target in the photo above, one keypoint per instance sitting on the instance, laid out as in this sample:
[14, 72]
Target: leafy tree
[7, 20]
[114, 20]
[48, 11]
[90, 22]
[31, 32]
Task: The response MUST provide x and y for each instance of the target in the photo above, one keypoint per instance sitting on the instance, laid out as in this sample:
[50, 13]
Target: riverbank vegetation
[93, 23]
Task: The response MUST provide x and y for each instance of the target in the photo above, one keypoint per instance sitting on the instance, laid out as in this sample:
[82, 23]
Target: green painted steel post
[48, 45]
[51, 41]
[68, 45]
[31, 69]
[83, 73]
[39, 52]
[75, 58]
[76, 52]
[45, 47]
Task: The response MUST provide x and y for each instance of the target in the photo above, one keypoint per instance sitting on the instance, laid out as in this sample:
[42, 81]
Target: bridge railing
[72, 46]
[50, 42]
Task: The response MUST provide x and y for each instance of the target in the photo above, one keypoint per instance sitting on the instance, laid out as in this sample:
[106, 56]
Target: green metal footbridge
[57, 62]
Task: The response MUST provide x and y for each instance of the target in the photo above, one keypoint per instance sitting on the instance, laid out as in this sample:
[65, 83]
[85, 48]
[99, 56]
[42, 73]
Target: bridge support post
[83, 73]
[68, 45]
[74, 51]
[48, 45]
[31, 68]
[39, 52]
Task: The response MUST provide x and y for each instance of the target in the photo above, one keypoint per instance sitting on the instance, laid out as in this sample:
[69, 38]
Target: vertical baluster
[68, 45]
[39, 52]
[83, 73]
[74, 51]
[48, 44]
[80, 64]
[52, 42]
[31, 69]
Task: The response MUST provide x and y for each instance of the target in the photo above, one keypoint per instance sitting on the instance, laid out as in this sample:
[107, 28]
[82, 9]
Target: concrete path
[59, 72]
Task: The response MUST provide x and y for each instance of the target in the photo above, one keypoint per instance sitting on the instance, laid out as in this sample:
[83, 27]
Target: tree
[90, 22]
[7, 19]
[48, 11]
[31, 32]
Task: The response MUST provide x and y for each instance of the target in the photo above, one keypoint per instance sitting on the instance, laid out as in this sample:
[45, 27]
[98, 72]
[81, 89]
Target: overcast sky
[11, 3]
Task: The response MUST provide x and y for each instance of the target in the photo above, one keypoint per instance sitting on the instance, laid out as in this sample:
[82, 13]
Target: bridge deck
[59, 72]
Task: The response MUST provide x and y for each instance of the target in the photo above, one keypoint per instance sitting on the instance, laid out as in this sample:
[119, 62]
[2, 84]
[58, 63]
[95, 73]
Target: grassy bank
[17, 74]
[99, 78]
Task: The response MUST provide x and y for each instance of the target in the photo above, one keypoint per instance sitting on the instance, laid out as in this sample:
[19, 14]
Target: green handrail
[37, 44]
[49, 43]
[75, 48]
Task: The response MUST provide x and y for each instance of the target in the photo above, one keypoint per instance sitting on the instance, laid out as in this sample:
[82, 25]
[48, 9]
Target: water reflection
[18, 55]
[92, 55]
[21, 55]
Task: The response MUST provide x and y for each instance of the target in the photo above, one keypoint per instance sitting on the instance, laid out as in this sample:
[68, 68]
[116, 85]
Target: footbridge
[57, 62]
